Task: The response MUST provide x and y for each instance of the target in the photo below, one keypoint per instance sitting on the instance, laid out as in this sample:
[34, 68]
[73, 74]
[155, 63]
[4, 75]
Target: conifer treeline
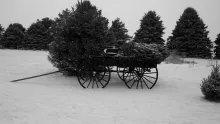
[40, 34]
[36, 37]
[190, 35]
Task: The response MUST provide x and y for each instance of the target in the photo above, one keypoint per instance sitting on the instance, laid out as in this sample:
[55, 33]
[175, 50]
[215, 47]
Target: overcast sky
[129, 11]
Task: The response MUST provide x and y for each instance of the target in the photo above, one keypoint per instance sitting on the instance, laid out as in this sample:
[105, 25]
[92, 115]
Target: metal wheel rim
[147, 77]
[120, 72]
[93, 78]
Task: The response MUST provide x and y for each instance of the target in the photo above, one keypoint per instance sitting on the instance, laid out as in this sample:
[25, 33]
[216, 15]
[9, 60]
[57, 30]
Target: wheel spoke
[105, 77]
[87, 78]
[120, 72]
[150, 72]
[145, 83]
[137, 84]
[141, 84]
[101, 83]
[89, 83]
[125, 77]
[133, 83]
[130, 79]
[150, 77]
[97, 84]
[148, 80]
[94, 79]
[104, 80]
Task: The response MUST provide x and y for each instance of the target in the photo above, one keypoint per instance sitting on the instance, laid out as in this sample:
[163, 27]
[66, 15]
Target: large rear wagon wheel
[94, 78]
[140, 78]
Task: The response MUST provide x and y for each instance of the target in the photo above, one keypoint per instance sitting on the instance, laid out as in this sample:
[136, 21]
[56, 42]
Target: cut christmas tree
[143, 53]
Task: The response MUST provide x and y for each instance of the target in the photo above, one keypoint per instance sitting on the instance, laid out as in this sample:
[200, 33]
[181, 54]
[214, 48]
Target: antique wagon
[95, 71]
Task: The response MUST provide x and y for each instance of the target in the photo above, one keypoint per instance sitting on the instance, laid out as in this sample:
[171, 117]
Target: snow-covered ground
[55, 99]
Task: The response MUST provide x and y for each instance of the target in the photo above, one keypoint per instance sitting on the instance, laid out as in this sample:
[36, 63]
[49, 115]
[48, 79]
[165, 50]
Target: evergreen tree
[119, 32]
[151, 29]
[217, 47]
[1, 32]
[112, 37]
[35, 37]
[190, 35]
[13, 36]
[38, 35]
[63, 16]
[59, 22]
[78, 34]
[47, 22]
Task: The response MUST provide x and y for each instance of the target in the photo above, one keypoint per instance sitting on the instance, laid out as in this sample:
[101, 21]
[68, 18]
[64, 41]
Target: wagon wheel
[138, 77]
[95, 77]
[120, 72]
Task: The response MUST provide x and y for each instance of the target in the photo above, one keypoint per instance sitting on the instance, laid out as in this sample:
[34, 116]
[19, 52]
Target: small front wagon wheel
[94, 78]
[140, 78]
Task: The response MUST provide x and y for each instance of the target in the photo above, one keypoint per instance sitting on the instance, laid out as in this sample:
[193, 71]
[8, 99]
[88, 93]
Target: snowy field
[55, 99]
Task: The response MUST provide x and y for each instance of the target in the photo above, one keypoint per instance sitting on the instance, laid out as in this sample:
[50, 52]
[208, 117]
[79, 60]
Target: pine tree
[79, 34]
[151, 29]
[217, 47]
[1, 31]
[210, 86]
[190, 35]
[119, 32]
[59, 24]
[13, 36]
[35, 37]
[1, 34]
[47, 22]
[38, 35]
